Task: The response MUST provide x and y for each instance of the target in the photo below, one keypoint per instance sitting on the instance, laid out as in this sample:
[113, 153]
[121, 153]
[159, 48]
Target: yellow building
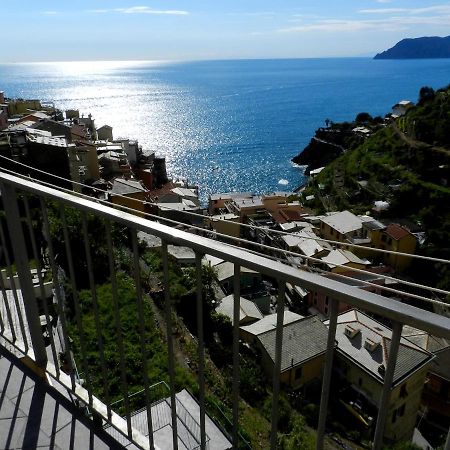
[398, 239]
[227, 224]
[303, 351]
[217, 202]
[129, 193]
[362, 352]
[83, 162]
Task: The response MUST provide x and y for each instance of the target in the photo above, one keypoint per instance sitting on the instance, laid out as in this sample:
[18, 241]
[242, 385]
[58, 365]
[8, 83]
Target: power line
[240, 240]
[252, 227]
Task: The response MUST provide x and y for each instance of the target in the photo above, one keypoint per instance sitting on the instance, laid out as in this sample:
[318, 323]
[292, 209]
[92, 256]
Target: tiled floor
[35, 416]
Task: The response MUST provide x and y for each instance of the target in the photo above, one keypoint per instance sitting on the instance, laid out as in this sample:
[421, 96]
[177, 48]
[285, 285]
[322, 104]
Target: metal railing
[27, 205]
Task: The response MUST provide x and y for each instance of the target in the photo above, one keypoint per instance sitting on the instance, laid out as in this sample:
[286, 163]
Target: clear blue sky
[51, 30]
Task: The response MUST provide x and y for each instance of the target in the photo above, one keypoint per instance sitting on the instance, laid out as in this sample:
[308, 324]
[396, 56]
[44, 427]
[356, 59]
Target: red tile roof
[396, 232]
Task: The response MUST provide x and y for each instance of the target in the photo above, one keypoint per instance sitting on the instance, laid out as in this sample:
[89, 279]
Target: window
[360, 382]
[298, 373]
[394, 416]
[403, 391]
[399, 412]
[383, 238]
[326, 300]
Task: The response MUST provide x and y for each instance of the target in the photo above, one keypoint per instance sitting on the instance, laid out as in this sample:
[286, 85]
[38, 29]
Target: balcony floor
[35, 415]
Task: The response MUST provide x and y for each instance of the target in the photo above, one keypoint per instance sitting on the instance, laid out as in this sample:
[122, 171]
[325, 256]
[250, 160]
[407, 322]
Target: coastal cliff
[405, 165]
[331, 142]
[418, 48]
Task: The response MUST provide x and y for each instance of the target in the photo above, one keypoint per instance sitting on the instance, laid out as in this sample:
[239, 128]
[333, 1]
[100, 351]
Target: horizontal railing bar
[391, 309]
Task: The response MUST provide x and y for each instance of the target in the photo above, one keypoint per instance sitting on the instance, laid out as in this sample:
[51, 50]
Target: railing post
[447, 441]
[326, 382]
[277, 363]
[23, 270]
[388, 379]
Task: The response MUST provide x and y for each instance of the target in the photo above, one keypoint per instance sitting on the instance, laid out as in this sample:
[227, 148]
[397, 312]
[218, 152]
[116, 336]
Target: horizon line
[172, 61]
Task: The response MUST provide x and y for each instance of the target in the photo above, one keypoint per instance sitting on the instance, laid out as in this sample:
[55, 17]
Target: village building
[338, 261]
[248, 311]
[105, 133]
[304, 345]
[360, 363]
[249, 333]
[436, 392]
[128, 193]
[401, 108]
[396, 238]
[372, 280]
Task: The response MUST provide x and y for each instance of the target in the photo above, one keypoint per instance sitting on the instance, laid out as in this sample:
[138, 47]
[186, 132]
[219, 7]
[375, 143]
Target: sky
[63, 30]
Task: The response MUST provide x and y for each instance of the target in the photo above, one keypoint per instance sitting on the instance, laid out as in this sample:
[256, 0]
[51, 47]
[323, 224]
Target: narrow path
[416, 143]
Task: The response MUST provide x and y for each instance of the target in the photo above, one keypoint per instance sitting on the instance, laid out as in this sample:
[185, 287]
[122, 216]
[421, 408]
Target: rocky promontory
[331, 142]
[418, 48]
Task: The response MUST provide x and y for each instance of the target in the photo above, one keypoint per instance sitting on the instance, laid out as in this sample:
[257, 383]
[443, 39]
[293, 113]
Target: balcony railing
[26, 324]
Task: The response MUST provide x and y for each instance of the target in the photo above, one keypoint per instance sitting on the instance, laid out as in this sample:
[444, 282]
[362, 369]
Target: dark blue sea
[226, 125]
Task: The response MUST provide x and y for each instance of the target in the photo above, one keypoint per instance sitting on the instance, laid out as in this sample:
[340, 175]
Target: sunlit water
[225, 125]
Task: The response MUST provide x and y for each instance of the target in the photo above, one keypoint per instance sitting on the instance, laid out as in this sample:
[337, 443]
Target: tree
[363, 117]
[298, 438]
[426, 94]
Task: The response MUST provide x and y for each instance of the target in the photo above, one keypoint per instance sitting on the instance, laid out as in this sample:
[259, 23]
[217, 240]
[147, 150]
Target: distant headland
[423, 47]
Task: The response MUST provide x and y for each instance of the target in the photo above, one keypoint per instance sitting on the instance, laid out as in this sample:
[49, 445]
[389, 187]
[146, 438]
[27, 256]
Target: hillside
[407, 164]
[418, 48]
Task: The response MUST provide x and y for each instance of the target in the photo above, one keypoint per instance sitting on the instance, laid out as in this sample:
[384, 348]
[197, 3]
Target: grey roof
[302, 340]
[188, 430]
[225, 270]
[441, 364]
[410, 356]
[181, 254]
[343, 221]
[342, 257]
[122, 186]
[424, 340]
[184, 192]
[270, 322]
[230, 195]
[247, 308]
[371, 223]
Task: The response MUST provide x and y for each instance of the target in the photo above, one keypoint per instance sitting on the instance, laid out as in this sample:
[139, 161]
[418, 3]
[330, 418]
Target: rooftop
[344, 222]
[123, 187]
[410, 356]
[341, 258]
[269, 323]
[396, 231]
[303, 340]
[247, 309]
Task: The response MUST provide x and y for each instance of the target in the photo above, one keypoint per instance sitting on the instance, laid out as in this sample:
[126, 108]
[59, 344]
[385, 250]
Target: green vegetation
[155, 350]
[407, 164]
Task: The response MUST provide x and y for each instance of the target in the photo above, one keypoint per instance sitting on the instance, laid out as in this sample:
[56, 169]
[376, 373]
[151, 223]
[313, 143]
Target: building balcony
[67, 376]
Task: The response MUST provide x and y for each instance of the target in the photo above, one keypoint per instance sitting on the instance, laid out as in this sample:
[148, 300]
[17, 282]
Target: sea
[230, 125]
